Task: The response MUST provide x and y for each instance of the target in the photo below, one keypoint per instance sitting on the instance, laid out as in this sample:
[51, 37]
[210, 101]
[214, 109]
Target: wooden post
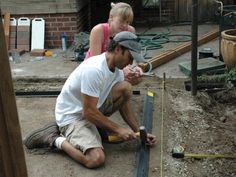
[12, 159]
[7, 28]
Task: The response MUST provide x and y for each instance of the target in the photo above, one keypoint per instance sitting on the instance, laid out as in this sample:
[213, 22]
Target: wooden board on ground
[179, 50]
[38, 52]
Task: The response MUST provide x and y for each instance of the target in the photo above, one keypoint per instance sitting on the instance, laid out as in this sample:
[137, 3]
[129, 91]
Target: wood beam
[179, 50]
[7, 28]
[11, 151]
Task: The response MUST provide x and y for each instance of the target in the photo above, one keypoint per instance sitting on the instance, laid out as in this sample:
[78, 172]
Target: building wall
[55, 24]
[42, 6]
[70, 16]
[74, 16]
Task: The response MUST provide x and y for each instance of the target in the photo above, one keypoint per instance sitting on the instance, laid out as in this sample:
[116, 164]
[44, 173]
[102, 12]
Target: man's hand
[126, 134]
[151, 139]
[133, 74]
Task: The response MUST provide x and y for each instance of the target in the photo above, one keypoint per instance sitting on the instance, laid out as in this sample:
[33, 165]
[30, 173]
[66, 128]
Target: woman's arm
[95, 40]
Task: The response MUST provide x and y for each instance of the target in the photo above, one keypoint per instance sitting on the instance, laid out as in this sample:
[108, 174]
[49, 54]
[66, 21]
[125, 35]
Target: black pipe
[49, 93]
[194, 46]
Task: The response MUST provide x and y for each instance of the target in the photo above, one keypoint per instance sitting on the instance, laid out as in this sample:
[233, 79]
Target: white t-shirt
[92, 77]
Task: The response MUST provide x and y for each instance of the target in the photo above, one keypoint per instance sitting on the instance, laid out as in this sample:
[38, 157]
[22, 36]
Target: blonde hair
[123, 10]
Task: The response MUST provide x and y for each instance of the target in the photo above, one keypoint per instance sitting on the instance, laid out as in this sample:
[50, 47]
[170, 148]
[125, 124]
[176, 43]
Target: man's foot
[43, 137]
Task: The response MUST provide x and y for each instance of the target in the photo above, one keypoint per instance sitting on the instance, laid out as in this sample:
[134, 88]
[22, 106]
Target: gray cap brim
[130, 41]
[137, 56]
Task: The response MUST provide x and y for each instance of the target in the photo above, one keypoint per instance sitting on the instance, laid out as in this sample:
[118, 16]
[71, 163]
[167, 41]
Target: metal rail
[37, 93]
[51, 93]
[142, 157]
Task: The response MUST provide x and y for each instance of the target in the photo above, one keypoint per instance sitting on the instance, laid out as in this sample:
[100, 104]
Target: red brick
[69, 15]
[56, 33]
[64, 29]
[63, 19]
[57, 43]
[52, 37]
[55, 15]
[51, 28]
[50, 19]
[74, 28]
[57, 24]
[71, 24]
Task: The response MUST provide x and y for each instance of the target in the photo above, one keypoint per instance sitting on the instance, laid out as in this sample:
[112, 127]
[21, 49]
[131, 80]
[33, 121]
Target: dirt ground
[202, 124]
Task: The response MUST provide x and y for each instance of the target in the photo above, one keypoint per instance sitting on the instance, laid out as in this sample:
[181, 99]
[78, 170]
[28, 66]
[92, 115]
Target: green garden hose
[154, 41]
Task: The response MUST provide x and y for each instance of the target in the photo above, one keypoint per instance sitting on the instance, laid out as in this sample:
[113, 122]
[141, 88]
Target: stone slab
[203, 66]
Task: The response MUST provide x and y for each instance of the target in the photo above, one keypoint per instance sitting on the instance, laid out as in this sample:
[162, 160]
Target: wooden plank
[7, 28]
[179, 50]
[12, 154]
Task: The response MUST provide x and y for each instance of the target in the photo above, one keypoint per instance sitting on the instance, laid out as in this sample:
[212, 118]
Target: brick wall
[55, 24]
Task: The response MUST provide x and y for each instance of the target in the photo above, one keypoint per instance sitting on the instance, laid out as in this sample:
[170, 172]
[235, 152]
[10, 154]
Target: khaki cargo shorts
[84, 135]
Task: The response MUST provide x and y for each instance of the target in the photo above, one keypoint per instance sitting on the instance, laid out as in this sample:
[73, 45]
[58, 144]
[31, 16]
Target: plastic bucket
[228, 47]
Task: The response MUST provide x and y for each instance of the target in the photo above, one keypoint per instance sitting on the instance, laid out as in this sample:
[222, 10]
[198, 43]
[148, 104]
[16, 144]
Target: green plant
[231, 75]
[212, 78]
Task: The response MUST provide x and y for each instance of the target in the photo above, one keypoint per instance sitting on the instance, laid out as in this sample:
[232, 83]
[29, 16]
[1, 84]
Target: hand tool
[178, 152]
[149, 74]
[142, 134]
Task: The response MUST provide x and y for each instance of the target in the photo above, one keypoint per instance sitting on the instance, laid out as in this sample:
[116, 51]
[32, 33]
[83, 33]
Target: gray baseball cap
[130, 41]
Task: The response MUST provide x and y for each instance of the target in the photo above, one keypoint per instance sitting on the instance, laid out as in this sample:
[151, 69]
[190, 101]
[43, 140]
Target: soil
[202, 124]
[205, 123]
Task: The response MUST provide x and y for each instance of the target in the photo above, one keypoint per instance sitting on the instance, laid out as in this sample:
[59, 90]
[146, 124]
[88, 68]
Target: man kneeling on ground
[93, 91]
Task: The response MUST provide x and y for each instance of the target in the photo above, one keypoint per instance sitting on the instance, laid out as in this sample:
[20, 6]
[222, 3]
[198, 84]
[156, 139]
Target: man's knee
[125, 89]
[95, 158]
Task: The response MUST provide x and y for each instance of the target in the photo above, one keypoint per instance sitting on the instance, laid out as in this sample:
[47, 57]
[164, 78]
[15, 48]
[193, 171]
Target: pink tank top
[105, 27]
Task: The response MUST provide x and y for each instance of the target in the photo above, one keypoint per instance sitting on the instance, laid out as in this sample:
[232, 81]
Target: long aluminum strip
[142, 157]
